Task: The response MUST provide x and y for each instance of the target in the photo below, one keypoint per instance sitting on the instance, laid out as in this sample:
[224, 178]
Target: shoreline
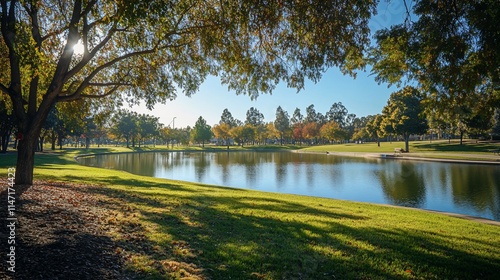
[488, 160]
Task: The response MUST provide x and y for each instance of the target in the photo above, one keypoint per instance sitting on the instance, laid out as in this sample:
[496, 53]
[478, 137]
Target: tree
[243, 133]
[148, 126]
[360, 135]
[6, 126]
[88, 130]
[201, 131]
[272, 133]
[321, 119]
[451, 50]
[338, 113]
[405, 112]
[297, 132]
[254, 117]
[101, 120]
[227, 118]
[437, 123]
[255, 120]
[248, 133]
[50, 127]
[310, 131]
[125, 125]
[281, 123]
[332, 131]
[311, 115]
[147, 50]
[297, 117]
[495, 130]
[222, 131]
[373, 127]
[351, 125]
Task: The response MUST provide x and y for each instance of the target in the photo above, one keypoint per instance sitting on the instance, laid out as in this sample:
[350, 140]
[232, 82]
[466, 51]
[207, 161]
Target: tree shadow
[237, 241]
[456, 147]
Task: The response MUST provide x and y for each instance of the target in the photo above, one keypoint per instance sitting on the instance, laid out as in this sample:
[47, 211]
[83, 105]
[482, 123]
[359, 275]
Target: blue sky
[361, 96]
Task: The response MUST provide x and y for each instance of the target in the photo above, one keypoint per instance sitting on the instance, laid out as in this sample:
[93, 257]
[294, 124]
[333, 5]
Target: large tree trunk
[29, 131]
[26, 159]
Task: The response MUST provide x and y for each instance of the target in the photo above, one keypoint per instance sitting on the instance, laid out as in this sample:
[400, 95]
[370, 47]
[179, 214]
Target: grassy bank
[470, 150]
[415, 147]
[174, 230]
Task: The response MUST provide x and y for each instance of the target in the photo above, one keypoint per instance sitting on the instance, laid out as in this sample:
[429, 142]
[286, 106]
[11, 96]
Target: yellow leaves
[182, 270]
[222, 131]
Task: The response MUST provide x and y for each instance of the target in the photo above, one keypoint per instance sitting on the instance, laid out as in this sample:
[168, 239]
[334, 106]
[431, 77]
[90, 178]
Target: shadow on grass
[456, 147]
[248, 237]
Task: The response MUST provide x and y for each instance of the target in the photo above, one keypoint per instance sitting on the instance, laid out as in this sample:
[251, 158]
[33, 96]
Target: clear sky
[361, 96]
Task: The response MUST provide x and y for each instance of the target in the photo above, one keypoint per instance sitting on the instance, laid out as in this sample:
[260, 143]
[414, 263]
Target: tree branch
[78, 96]
[35, 33]
[111, 91]
[408, 14]
[109, 84]
[62, 66]
[87, 56]
[4, 89]
[8, 27]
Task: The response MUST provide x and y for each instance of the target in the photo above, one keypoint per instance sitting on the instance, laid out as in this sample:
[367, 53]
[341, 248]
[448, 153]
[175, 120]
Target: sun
[78, 49]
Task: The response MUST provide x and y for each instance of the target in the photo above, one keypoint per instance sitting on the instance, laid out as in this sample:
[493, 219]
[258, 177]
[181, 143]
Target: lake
[471, 189]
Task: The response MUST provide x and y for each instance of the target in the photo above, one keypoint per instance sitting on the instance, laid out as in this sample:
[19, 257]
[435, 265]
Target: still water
[459, 188]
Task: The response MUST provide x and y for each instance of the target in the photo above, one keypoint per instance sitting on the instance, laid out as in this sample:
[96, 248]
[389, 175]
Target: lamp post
[173, 126]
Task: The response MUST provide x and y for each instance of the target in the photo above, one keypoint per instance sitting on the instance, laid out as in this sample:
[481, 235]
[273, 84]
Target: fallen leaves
[182, 270]
[63, 234]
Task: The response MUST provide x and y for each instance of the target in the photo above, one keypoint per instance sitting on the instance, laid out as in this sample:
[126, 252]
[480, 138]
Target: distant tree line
[408, 112]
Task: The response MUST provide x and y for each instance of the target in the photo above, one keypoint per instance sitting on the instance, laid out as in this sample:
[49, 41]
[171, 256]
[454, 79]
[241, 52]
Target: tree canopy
[404, 113]
[148, 50]
[202, 132]
[282, 122]
[450, 48]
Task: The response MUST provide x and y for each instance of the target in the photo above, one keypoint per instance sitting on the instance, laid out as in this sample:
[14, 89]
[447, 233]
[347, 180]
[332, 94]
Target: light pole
[172, 123]
[173, 126]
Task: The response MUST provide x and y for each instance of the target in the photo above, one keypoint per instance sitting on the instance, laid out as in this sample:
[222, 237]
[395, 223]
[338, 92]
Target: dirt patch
[61, 233]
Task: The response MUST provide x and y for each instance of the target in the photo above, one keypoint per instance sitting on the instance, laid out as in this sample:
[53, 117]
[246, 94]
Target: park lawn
[172, 230]
[435, 147]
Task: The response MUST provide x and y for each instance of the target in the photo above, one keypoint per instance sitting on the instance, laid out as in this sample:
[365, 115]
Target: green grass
[188, 229]
[437, 149]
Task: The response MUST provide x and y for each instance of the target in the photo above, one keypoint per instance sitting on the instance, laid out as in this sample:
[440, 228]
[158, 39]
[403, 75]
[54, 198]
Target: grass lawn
[182, 230]
[470, 150]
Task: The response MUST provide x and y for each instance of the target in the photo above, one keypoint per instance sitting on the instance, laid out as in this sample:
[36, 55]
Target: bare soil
[61, 233]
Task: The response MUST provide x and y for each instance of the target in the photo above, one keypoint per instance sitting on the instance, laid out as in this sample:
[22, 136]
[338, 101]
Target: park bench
[398, 151]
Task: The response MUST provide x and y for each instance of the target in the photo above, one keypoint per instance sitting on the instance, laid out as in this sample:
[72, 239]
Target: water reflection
[398, 174]
[459, 188]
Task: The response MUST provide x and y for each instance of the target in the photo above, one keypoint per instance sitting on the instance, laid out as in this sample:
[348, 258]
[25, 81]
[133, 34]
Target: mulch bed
[61, 233]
